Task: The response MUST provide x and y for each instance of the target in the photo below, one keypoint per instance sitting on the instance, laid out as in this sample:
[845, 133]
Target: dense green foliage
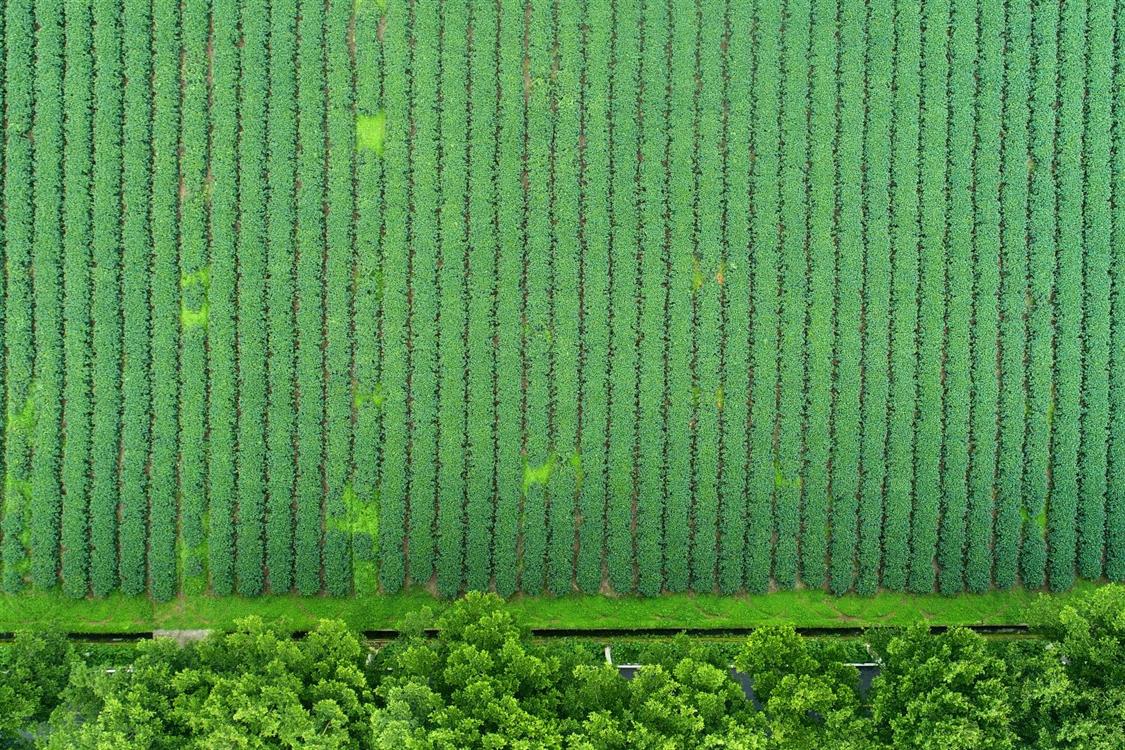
[482, 683]
[632, 295]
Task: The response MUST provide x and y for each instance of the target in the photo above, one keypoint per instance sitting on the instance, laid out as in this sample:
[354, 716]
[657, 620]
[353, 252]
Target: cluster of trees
[481, 683]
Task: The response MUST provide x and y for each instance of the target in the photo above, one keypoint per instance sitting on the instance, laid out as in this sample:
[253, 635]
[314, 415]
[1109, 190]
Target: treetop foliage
[482, 682]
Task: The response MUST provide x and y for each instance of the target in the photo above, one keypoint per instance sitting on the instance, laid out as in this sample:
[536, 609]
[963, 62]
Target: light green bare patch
[371, 131]
[721, 274]
[23, 421]
[361, 515]
[366, 576]
[193, 318]
[576, 465]
[1039, 519]
[191, 566]
[194, 305]
[201, 277]
[781, 481]
[16, 488]
[373, 396]
[541, 474]
[719, 398]
[556, 464]
[696, 275]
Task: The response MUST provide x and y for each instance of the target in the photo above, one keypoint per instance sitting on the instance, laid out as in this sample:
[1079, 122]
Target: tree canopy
[482, 682]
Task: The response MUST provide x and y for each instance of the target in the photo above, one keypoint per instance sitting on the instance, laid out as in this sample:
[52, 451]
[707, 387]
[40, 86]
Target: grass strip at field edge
[803, 608]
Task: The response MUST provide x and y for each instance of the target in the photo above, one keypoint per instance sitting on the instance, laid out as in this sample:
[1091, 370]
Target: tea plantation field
[349, 296]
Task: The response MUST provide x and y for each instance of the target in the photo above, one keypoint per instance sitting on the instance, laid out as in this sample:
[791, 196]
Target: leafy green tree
[1090, 633]
[252, 688]
[131, 707]
[943, 692]
[478, 685]
[481, 684]
[34, 670]
[693, 705]
[809, 698]
[1070, 692]
[256, 688]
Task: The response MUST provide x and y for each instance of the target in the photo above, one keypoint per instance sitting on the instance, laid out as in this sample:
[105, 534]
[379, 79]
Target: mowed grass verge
[804, 608]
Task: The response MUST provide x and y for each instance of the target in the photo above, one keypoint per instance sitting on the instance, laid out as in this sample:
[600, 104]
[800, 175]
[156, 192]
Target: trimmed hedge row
[423, 269]
[19, 223]
[736, 137]
[310, 251]
[164, 292]
[1115, 500]
[1062, 504]
[765, 239]
[77, 287]
[822, 249]
[565, 380]
[222, 297]
[981, 529]
[789, 492]
[623, 270]
[959, 275]
[1013, 397]
[510, 218]
[879, 63]
[281, 129]
[368, 303]
[1041, 269]
[596, 242]
[1096, 310]
[194, 288]
[905, 227]
[654, 131]
[847, 432]
[252, 320]
[339, 275]
[453, 143]
[709, 398]
[932, 291]
[45, 504]
[397, 157]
